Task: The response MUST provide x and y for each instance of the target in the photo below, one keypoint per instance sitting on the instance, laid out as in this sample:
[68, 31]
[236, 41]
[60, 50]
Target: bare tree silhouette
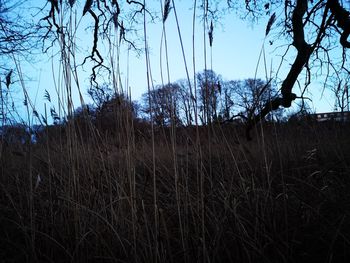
[327, 19]
[312, 30]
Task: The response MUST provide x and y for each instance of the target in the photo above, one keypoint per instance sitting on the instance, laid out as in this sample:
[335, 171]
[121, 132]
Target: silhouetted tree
[162, 103]
[16, 31]
[340, 89]
[101, 94]
[116, 112]
[209, 88]
[185, 102]
[250, 95]
[17, 39]
[311, 28]
[226, 104]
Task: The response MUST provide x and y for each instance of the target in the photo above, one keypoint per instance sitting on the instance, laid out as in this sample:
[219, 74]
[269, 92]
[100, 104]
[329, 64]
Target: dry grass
[123, 191]
[282, 200]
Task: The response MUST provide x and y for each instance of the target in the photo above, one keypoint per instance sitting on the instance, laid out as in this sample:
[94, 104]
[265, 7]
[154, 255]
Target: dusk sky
[236, 47]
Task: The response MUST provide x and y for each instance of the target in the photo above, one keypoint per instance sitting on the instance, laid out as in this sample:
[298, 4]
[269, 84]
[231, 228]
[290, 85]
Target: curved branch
[303, 55]
[304, 51]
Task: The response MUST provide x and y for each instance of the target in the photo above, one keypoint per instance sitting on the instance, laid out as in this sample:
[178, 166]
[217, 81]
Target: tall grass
[103, 208]
[126, 191]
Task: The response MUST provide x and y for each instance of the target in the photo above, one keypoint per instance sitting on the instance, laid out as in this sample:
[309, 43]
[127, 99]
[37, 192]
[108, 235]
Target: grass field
[190, 194]
[116, 188]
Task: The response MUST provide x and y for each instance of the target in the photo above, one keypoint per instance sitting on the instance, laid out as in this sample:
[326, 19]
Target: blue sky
[235, 53]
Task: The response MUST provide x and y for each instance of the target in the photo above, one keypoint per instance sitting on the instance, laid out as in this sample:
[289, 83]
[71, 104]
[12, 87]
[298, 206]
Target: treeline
[184, 102]
[209, 99]
[206, 100]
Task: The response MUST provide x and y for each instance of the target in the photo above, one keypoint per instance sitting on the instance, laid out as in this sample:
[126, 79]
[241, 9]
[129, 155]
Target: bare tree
[114, 113]
[18, 38]
[250, 95]
[16, 31]
[185, 102]
[209, 88]
[313, 28]
[101, 94]
[227, 104]
[340, 89]
[164, 102]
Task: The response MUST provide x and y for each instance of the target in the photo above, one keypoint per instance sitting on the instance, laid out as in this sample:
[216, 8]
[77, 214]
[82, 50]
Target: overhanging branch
[304, 51]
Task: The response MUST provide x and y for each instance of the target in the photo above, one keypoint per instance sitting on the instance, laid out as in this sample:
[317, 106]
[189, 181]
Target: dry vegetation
[115, 189]
[204, 194]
